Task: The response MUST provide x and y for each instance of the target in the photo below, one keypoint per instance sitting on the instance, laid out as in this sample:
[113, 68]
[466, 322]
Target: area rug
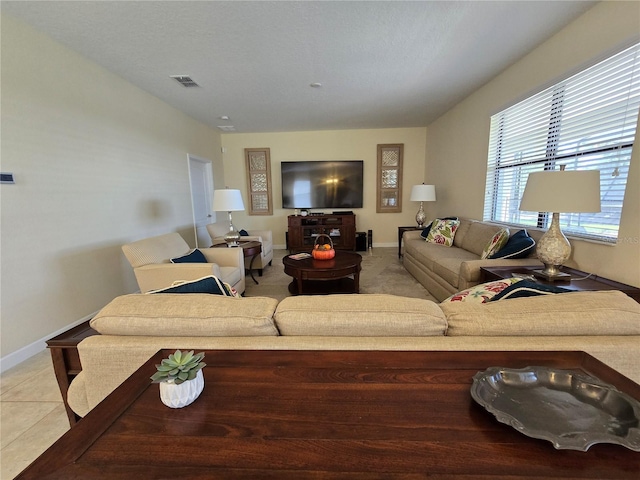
[382, 272]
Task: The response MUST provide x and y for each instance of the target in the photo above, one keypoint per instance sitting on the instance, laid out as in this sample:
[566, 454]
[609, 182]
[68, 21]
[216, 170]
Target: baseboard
[28, 351]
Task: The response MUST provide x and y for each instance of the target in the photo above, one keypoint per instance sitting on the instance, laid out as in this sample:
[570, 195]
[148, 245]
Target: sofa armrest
[413, 235]
[162, 275]
[470, 269]
[267, 235]
[225, 257]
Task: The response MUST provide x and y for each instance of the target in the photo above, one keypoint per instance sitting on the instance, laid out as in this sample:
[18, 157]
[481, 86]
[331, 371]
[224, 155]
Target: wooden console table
[66, 361]
[303, 231]
[580, 281]
[326, 414]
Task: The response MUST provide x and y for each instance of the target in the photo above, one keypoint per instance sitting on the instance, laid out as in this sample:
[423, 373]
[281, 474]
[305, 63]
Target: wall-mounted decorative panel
[258, 162]
[389, 181]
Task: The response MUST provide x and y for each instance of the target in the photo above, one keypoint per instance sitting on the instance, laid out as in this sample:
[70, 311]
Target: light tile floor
[32, 415]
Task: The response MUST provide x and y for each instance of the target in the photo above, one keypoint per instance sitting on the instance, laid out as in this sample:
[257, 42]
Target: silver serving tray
[572, 410]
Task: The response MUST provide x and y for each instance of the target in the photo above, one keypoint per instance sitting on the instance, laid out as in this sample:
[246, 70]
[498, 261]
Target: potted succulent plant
[180, 378]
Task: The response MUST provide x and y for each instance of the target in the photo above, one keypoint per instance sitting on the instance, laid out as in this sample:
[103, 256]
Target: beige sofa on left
[133, 327]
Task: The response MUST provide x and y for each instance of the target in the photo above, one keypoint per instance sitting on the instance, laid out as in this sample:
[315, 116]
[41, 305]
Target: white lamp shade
[423, 193]
[227, 200]
[562, 191]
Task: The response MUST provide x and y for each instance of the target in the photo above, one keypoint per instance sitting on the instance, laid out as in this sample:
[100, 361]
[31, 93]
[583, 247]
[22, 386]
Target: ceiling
[381, 64]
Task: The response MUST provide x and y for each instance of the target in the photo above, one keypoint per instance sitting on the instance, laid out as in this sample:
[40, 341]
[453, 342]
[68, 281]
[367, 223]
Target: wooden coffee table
[326, 414]
[341, 274]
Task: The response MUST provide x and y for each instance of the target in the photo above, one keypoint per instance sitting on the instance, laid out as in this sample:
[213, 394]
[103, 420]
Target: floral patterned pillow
[482, 293]
[443, 231]
[498, 241]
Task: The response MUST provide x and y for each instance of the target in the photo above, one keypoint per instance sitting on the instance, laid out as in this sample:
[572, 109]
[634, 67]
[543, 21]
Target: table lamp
[422, 193]
[559, 191]
[229, 200]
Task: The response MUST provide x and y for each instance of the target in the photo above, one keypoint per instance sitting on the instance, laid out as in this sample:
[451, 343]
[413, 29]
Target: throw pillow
[443, 231]
[427, 228]
[520, 245]
[209, 284]
[527, 288]
[498, 241]
[482, 293]
[243, 233]
[196, 256]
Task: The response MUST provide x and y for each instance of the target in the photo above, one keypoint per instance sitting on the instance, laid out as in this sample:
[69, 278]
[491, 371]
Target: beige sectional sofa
[133, 327]
[444, 271]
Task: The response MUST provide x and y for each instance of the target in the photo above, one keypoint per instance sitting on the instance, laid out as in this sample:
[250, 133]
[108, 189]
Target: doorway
[201, 179]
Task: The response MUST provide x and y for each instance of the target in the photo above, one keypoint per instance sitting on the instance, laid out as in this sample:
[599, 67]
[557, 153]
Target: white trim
[28, 351]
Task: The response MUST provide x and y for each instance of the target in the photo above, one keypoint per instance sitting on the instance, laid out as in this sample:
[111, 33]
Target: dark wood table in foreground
[326, 415]
[341, 274]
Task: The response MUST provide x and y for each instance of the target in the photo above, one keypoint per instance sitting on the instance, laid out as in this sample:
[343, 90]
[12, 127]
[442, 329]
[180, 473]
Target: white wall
[329, 145]
[457, 143]
[97, 163]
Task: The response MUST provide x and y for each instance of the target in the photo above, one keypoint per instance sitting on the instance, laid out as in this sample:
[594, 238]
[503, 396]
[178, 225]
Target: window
[258, 162]
[585, 122]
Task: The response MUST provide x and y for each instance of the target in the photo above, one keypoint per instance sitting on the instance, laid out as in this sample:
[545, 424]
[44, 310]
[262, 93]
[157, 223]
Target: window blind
[586, 122]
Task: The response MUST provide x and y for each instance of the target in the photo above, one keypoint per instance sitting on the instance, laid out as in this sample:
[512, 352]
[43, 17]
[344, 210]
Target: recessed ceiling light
[224, 117]
[315, 85]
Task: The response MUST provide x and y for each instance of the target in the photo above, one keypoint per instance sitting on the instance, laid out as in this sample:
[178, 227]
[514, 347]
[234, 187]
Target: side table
[66, 361]
[580, 281]
[401, 231]
[249, 249]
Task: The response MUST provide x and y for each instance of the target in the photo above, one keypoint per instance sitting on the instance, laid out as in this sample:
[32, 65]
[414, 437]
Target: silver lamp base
[421, 217]
[233, 236]
[553, 250]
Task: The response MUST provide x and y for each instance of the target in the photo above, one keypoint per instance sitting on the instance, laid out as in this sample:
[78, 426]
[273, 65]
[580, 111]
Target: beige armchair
[265, 237]
[150, 259]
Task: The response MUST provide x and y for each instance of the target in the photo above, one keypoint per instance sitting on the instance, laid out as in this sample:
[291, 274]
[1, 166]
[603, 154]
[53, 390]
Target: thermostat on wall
[6, 178]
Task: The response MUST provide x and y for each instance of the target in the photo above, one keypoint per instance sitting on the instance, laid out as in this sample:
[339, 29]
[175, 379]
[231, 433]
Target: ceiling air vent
[227, 128]
[184, 80]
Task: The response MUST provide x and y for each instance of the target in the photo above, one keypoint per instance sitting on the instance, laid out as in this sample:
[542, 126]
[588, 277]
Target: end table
[401, 231]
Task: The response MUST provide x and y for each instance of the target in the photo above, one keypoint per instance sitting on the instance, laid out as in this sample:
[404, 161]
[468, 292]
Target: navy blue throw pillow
[425, 233]
[194, 257]
[520, 245]
[526, 288]
[244, 233]
[208, 284]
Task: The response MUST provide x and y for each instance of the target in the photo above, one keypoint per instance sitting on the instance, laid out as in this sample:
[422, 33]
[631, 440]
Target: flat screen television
[322, 184]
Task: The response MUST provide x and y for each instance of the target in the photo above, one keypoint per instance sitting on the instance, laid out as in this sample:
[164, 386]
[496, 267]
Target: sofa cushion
[196, 315]
[578, 313]
[527, 288]
[196, 256]
[496, 243]
[366, 315]
[478, 236]
[443, 231]
[520, 245]
[483, 293]
[448, 264]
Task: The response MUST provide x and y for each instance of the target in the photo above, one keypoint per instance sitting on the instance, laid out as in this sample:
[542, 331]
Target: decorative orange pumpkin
[323, 252]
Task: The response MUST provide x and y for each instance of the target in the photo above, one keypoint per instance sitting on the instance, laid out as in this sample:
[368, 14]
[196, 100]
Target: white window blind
[586, 122]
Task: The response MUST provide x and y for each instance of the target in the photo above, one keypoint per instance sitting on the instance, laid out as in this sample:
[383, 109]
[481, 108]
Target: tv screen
[322, 184]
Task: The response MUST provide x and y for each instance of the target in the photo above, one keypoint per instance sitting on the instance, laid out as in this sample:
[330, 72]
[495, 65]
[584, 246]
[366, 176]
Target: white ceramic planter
[178, 396]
